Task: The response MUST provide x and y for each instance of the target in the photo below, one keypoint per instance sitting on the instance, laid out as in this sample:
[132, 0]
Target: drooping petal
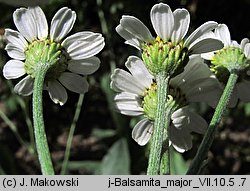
[223, 33]
[205, 45]
[14, 52]
[136, 27]
[180, 138]
[13, 69]
[142, 131]
[243, 90]
[74, 82]
[16, 39]
[70, 40]
[130, 38]
[25, 86]
[162, 20]
[243, 42]
[84, 66]
[86, 47]
[57, 92]
[62, 24]
[247, 50]
[41, 22]
[124, 81]
[139, 71]
[181, 25]
[128, 104]
[25, 23]
[206, 27]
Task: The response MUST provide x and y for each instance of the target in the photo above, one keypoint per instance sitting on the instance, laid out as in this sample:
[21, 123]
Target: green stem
[71, 133]
[209, 136]
[39, 129]
[161, 122]
[14, 129]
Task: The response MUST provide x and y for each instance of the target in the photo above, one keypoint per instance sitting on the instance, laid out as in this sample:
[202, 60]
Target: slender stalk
[209, 136]
[14, 129]
[39, 129]
[71, 133]
[160, 124]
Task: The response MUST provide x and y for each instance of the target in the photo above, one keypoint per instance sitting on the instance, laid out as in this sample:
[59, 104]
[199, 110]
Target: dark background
[102, 142]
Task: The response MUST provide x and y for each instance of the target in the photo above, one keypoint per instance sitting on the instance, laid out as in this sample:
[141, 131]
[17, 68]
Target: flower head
[137, 95]
[233, 57]
[170, 49]
[74, 55]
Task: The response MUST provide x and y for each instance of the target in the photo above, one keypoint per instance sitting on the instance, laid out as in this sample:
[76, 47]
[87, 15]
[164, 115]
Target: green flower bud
[45, 52]
[176, 99]
[162, 56]
[231, 58]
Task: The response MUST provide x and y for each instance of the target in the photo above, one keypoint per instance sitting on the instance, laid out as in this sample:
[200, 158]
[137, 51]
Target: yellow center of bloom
[44, 51]
[176, 99]
[164, 56]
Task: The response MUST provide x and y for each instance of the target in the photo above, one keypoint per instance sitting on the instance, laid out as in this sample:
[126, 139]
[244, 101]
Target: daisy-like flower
[76, 58]
[171, 47]
[137, 95]
[233, 57]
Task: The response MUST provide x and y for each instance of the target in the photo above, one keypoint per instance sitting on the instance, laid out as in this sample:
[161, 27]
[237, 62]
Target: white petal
[142, 132]
[57, 92]
[206, 27]
[16, 39]
[208, 55]
[162, 20]
[206, 45]
[13, 69]
[84, 66]
[136, 27]
[62, 23]
[25, 23]
[181, 25]
[74, 82]
[124, 81]
[41, 22]
[181, 139]
[243, 43]
[75, 37]
[247, 50]
[14, 52]
[223, 33]
[25, 86]
[128, 104]
[243, 89]
[139, 71]
[85, 47]
[130, 38]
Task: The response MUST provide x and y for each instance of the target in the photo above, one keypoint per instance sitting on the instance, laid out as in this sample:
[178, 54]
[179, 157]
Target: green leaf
[178, 164]
[92, 166]
[103, 133]
[117, 160]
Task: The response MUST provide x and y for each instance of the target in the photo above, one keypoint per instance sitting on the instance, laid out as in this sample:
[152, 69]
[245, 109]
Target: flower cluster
[169, 51]
[137, 96]
[234, 57]
[75, 55]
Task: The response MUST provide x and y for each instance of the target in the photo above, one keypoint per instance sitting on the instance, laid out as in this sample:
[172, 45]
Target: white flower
[77, 52]
[242, 88]
[195, 84]
[170, 27]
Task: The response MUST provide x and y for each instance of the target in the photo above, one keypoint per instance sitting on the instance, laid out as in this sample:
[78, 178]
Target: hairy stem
[209, 136]
[160, 124]
[39, 129]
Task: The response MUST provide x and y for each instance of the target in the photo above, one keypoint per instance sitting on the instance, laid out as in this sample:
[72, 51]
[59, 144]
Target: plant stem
[39, 129]
[209, 136]
[71, 133]
[160, 124]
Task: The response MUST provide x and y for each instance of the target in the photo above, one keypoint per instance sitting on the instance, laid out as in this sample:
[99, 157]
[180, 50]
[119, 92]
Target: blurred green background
[102, 142]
